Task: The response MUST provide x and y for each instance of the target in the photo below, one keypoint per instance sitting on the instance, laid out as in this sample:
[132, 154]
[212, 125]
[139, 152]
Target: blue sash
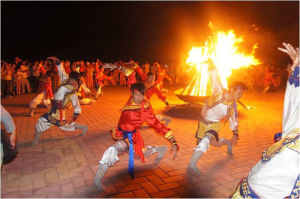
[128, 134]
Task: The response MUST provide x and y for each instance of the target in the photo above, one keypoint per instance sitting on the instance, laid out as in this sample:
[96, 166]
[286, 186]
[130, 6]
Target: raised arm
[215, 82]
[61, 71]
[291, 110]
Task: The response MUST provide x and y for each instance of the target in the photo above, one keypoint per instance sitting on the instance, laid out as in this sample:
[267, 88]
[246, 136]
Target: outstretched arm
[61, 71]
[160, 128]
[215, 81]
[291, 111]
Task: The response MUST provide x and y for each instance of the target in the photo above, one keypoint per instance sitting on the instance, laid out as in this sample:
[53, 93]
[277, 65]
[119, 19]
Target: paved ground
[64, 166]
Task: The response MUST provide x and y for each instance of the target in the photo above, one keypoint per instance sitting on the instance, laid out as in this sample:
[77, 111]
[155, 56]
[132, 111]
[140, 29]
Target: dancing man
[136, 111]
[100, 78]
[83, 90]
[161, 75]
[277, 174]
[148, 79]
[44, 93]
[221, 105]
[63, 98]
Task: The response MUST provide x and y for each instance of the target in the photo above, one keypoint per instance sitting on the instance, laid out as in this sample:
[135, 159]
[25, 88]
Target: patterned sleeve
[152, 121]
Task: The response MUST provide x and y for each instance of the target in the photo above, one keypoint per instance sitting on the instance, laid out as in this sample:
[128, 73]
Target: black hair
[150, 74]
[238, 85]
[74, 75]
[139, 87]
[48, 73]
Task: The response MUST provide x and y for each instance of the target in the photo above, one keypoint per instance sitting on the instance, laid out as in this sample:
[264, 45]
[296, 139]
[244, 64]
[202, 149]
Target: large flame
[223, 50]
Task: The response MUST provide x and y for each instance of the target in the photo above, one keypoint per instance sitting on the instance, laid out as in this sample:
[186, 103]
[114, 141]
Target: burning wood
[222, 48]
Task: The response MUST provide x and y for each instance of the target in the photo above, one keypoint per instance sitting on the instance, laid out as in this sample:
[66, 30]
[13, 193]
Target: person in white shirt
[277, 174]
[221, 105]
[63, 98]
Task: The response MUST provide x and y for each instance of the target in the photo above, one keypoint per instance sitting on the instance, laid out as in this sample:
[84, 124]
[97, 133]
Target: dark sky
[144, 31]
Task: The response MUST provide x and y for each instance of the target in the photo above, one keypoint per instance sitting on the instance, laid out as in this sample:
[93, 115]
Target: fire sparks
[223, 50]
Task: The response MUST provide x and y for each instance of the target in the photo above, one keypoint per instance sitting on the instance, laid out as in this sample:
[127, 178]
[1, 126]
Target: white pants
[43, 125]
[203, 144]
[38, 100]
[110, 156]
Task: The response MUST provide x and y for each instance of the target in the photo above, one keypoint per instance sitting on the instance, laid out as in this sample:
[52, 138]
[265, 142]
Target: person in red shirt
[100, 77]
[152, 86]
[44, 93]
[161, 75]
[136, 111]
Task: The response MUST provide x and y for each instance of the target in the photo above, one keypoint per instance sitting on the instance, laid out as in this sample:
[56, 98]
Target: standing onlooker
[18, 78]
[7, 72]
[25, 82]
[36, 72]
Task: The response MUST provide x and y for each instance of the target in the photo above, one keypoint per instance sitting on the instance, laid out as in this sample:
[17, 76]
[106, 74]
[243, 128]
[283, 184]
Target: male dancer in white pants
[221, 105]
[63, 97]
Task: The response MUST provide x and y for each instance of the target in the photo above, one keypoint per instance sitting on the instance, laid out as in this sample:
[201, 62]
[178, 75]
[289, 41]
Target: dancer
[277, 174]
[136, 111]
[63, 97]
[44, 93]
[100, 77]
[221, 105]
[148, 79]
[161, 75]
[83, 90]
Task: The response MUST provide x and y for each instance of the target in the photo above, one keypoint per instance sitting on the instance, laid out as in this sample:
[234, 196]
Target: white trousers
[43, 124]
[203, 144]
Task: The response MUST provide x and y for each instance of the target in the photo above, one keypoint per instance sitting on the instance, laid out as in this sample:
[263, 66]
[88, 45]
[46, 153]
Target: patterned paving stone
[63, 164]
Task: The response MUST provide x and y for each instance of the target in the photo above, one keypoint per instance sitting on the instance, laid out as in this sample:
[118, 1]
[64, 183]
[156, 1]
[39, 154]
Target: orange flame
[224, 53]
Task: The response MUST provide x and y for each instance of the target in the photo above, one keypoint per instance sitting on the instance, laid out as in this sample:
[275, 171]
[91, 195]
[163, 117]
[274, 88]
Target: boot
[192, 168]
[229, 146]
[36, 138]
[99, 175]
[167, 120]
[161, 150]
[82, 127]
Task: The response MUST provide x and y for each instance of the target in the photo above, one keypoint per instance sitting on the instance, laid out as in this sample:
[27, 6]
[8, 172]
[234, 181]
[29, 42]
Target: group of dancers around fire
[276, 175]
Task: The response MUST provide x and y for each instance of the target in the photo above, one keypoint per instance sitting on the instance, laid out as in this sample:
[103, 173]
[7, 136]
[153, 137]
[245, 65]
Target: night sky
[143, 31]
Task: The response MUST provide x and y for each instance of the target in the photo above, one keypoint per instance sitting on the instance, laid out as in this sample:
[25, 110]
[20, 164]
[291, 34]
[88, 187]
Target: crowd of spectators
[22, 76]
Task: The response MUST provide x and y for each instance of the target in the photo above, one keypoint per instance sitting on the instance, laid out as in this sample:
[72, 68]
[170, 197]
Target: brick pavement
[64, 166]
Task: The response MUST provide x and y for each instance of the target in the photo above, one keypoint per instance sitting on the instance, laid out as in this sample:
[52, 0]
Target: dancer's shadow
[187, 111]
[193, 179]
[29, 143]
